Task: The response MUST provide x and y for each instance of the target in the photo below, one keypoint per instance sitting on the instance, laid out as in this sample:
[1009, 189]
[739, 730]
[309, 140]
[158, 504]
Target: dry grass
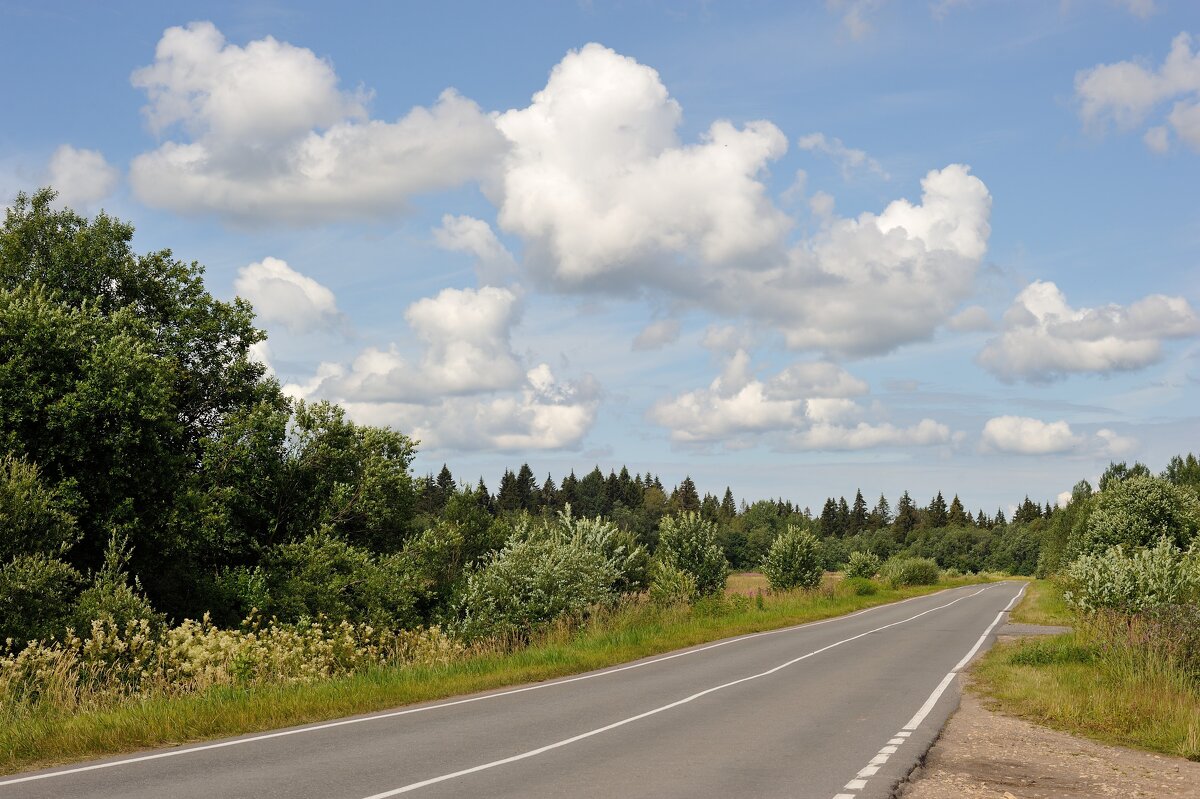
[746, 583]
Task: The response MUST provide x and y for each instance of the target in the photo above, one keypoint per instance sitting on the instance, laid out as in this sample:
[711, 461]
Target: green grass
[1043, 603]
[1116, 694]
[48, 738]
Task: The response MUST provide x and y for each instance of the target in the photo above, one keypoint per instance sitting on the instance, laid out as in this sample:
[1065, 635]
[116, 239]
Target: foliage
[35, 517]
[37, 597]
[112, 597]
[323, 575]
[531, 581]
[1136, 512]
[670, 585]
[863, 564]
[793, 561]
[1132, 581]
[858, 586]
[909, 571]
[689, 542]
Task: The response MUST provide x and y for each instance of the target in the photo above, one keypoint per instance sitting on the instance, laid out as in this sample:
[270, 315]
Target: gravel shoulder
[984, 754]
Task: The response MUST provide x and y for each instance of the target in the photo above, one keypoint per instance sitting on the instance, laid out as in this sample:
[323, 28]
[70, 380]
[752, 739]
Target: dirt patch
[982, 754]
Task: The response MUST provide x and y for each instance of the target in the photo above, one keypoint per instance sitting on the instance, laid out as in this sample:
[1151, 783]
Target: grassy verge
[1043, 603]
[47, 738]
[1072, 682]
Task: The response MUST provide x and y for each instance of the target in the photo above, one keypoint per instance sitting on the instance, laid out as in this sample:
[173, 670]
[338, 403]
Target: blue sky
[796, 249]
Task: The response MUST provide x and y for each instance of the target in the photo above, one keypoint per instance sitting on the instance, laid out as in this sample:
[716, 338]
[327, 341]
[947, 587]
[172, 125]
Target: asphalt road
[841, 708]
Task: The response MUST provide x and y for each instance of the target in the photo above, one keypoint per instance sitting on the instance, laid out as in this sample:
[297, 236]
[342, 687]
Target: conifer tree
[843, 516]
[689, 498]
[526, 488]
[858, 514]
[881, 514]
[728, 505]
[936, 514]
[907, 516]
[957, 516]
[829, 518]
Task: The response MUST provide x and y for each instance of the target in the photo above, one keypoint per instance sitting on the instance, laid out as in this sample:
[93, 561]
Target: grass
[746, 583]
[47, 737]
[1076, 683]
[1043, 603]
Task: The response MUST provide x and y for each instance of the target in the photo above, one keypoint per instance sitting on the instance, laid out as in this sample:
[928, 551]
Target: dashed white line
[887, 751]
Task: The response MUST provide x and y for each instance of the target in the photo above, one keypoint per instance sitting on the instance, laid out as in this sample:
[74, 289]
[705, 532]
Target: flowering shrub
[863, 564]
[113, 662]
[793, 561]
[1137, 512]
[1133, 581]
[670, 585]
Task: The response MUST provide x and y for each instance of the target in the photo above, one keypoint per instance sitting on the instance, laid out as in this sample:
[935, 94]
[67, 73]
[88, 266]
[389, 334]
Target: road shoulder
[985, 754]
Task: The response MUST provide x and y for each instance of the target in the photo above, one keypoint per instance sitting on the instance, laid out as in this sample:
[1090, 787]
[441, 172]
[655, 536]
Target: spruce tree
[829, 518]
[728, 505]
[936, 514]
[907, 517]
[858, 514]
[957, 516]
[881, 514]
[526, 488]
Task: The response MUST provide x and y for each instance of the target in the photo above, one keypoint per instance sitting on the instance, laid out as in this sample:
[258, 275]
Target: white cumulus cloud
[805, 407]
[494, 264]
[81, 177]
[1022, 435]
[267, 135]
[1126, 92]
[467, 390]
[282, 295]
[1044, 338]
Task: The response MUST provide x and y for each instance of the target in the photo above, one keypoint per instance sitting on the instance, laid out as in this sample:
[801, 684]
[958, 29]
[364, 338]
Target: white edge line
[496, 695]
[654, 711]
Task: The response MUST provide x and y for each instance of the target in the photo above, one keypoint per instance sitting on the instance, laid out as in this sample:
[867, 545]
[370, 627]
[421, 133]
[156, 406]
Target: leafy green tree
[1118, 472]
[689, 542]
[35, 518]
[37, 597]
[1136, 512]
[794, 560]
[1183, 471]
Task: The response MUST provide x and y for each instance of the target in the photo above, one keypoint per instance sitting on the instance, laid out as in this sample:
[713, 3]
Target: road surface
[841, 708]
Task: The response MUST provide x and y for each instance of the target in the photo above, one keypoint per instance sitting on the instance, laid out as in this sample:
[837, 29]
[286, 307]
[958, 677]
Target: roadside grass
[1043, 603]
[1078, 684]
[45, 737]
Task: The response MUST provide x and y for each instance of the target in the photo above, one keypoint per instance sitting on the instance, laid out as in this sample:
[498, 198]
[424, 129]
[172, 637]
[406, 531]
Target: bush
[670, 585]
[114, 598]
[858, 586]
[909, 571]
[530, 582]
[689, 542]
[1131, 582]
[34, 517]
[322, 575]
[37, 595]
[793, 561]
[1137, 512]
[863, 564]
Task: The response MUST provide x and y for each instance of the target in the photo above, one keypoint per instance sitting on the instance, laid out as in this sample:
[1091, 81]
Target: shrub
[858, 586]
[1130, 582]
[114, 598]
[37, 595]
[863, 564]
[793, 561]
[33, 516]
[909, 571]
[670, 585]
[532, 581]
[689, 542]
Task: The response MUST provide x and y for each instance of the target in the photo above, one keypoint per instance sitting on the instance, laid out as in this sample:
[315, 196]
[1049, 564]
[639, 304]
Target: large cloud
[1022, 435]
[1126, 92]
[467, 390]
[1044, 338]
[268, 135]
[602, 191]
[282, 295]
[804, 407]
[606, 197]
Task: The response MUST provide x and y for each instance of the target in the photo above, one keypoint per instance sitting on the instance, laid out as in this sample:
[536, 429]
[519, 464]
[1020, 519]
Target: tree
[936, 515]
[829, 519]
[728, 505]
[1183, 471]
[881, 514]
[1136, 512]
[507, 497]
[446, 487]
[907, 517]
[957, 516]
[858, 514]
[591, 495]
[527, 488]
[1117, 472]
[686, 498]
